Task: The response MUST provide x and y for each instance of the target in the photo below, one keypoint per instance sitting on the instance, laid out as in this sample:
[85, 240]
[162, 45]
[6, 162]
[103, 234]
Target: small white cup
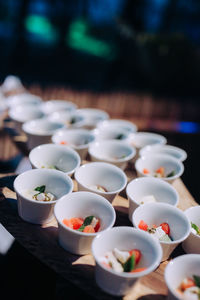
[70, 119]
[92, 116]
[52, 106]
[120, 123]
[157, 213]
[115, 152]
[144, 186]
[111, 133]
[177, 270]
[154, 161]
[78, 139]
[61, 157]
[124, 238]
[192, 243]
[40, 131]
[39, 212]
[141, 139]
[82, 205]
[110, 177]
[175, 152]
[21, 99]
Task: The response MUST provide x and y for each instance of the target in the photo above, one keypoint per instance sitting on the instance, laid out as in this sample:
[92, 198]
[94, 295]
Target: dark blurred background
[148, 45]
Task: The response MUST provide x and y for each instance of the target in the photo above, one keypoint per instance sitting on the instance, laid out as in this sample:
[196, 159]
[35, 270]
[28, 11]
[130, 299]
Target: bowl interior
[74, 137]
[111, 133]
[141, 139]
[93, 115]
[158, 213]
[54, 156]
[164, 149]
[25, 113]
[56, 182]
[121, 124]
[42, 126]
[66, 117]
[107, 176]
[58, 105]
[162, 191]
[84, 204]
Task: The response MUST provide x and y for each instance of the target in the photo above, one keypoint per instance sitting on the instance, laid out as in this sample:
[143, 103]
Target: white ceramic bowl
[21, 99]
[92, 116]
[40, 131]
[38, 212]
[179, 268]
[146, 186]
[157, 213]
[12, 84]
[61, 157]
[141, 139]
[106, 175]
[82, 205]
[51, 106]
[70, 119]
[111, 133]
[115, 152]
[124, 238]
[121, 124]
[175, 152]
[192, 243]
[78, 139]
[24, 113]
[154, 161]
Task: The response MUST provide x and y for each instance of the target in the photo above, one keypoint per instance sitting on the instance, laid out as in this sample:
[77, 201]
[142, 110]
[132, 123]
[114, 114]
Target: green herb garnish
[86, 222]
[129, 265]
[195, 227]
[197, 280]
[120, 136]
[73, 120]
[172, 173]
[40, 189]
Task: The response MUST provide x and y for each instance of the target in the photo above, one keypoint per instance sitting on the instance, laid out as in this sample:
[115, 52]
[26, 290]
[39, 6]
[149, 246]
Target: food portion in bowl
[122, 260]
[90, 224]
[195, 229]
[39, 194]
[98, 188]
[160, 232]
[147, 199]
[189, 289]
[159, 172]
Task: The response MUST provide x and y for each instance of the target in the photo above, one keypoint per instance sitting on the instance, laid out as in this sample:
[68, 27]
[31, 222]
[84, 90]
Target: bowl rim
[108, 123]
[156, 181]
[192, 208]
[161, 138]
[101, 198]
[54, 101]
[107, 165]
[65, 176]
[66, 148]
[150, 269]
[27, 130]
[13, 110]
[170, 207]
[155, 156]
[144, 150]
[100, 143]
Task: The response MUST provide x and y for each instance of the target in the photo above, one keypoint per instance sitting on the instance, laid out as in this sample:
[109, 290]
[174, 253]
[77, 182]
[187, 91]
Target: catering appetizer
[98, 188]
[90, 224]
[161, 232]
[50, 167]
[195, 229]
[39, 194]
[122, 261]
[190, 288]
[160, 172]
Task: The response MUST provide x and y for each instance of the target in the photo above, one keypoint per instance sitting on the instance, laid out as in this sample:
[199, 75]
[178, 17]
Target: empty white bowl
[177, 270]
[70, 119]
[175, 152]
[124, 238]
[78, 139]
[142, 187]
[92, 116]
[52, 106]
[40, 131]
[121, 124]
[155, 161]
[115, 152]
[192, 243]
[51, 156]
[21, 99]
[105, 175]
[158, 213]
[111, 133]
[39, 212]
[24, 113]
[82, 205]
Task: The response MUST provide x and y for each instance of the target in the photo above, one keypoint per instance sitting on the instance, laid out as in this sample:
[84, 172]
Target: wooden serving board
[42, 242]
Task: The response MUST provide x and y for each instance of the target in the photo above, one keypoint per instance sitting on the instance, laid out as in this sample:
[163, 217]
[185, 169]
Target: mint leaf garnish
[40, 189]
[129, 265]
[87, 221]
[197, 280]
[172, 173]
[195, 227]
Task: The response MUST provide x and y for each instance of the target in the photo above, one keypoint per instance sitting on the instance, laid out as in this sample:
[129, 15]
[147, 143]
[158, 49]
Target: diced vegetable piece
[138, 270]
[96, 228]
[87, 221]
[195, 228]
[76, 222]
[165, 238]
[63, 143]
[137, 255]
[88, 229]
[129, 264]
[121, 256]
[67, 223]
[116, 266]
[146, 171]
[106, 265]
[142, 225]
[197, 280]
[161, 171]
[40, 189]
[187, 283]
[165, 228]
[171, 174]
